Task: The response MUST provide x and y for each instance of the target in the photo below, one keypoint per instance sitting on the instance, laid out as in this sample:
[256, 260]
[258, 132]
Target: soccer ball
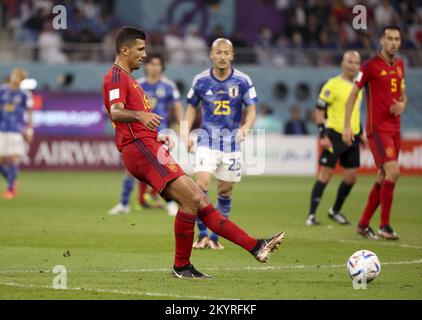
[363, 264]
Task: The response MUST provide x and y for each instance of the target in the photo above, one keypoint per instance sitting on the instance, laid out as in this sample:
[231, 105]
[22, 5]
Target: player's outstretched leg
[192, 200]
[123, 206]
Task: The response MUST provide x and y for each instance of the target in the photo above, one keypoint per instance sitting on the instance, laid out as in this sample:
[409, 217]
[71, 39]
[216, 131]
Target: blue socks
[201, 226]
[12, 176]
[127, 186]
[224, 205]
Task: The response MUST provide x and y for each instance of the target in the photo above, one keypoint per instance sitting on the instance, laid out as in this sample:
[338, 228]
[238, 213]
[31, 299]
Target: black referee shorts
[349, 156]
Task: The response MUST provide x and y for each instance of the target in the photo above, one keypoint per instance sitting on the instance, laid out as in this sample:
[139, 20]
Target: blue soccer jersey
[12, 108]
[222, 103]
[161, 95]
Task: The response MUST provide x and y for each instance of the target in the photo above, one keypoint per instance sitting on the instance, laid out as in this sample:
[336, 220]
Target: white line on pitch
[127, 292]
[276, 267]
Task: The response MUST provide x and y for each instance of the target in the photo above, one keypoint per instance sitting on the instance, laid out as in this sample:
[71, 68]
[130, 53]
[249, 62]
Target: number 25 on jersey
[222, 107]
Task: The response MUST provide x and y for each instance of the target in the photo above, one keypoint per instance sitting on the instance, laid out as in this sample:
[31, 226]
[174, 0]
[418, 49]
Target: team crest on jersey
[233, 91]
[389, 152]
[160, 92]
[172, 166]
[383, 73]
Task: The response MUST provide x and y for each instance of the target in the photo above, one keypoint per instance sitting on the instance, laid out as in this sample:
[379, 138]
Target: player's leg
[324, 177]
[228, 173]
[203, 180]
[372, 204]
[224, 203]
[350, 161]
[12, 171]
[204, 168]
[123, 206]
[392, 173]
[190, 198]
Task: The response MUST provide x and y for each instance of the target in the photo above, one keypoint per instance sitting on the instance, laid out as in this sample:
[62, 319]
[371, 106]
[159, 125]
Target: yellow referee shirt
[333, 98]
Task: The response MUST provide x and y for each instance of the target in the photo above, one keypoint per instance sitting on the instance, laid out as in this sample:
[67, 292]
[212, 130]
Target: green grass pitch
[60, 218]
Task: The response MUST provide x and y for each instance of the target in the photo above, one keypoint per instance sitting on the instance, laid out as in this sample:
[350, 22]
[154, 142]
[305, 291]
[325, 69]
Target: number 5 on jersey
[222, 107]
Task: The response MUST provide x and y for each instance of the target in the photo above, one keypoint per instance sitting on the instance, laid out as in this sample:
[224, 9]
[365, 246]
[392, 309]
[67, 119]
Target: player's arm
[324, 141]
[178, 114]
[348, 136]
[398, 107]
[190, 117]
[118, 113]
[249, 121]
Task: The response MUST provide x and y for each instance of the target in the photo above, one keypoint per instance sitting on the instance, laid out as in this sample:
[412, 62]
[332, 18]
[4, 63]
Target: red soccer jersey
[383, 83]
[120, 86]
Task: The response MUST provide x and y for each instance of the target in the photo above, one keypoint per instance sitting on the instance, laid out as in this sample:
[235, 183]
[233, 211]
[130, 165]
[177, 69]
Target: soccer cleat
[200, 243]
[119, 209]
[267, 246]
[151, 202]
[172, 208]
[366, 232]
[338, 217]
[188, 272]
[387, 233]
[215, 245]
[312, 221]
[7, 194]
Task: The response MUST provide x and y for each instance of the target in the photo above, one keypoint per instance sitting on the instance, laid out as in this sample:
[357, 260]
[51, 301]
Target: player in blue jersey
[164, 98]
[222, 91]
[14, 102]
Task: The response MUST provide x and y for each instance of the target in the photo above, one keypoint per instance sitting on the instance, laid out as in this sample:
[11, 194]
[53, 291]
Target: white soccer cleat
[172, 208]
[119, 209]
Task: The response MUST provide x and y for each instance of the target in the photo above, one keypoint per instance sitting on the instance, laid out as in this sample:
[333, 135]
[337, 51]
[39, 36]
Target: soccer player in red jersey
[146, 156]
[383, 78]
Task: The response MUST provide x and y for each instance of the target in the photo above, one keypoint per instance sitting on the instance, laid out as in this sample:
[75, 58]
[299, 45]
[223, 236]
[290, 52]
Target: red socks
[387, 191]
[184, 228]
[371, 205]
[380, 194]
[222, 226]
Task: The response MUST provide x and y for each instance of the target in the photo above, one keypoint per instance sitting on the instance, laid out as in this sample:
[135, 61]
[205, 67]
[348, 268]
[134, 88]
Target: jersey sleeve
[193, 96]
[326, 96]
[363, 75]
[249, 96]
[174, 93]
[117, 90]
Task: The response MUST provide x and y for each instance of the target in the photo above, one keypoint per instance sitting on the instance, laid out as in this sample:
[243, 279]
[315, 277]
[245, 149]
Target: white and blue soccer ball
[363, 265]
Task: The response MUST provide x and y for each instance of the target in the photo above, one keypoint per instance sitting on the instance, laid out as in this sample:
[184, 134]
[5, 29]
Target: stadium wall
[88, 77]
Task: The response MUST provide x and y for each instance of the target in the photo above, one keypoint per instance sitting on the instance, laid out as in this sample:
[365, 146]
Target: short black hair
[127, 35]
[155, 56]
[390, 27]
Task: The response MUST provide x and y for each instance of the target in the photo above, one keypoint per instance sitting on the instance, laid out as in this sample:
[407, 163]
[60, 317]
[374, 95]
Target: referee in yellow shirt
[331, 106]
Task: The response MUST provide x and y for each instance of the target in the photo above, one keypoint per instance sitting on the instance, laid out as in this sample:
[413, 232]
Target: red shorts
[148, 161]
[385, 146]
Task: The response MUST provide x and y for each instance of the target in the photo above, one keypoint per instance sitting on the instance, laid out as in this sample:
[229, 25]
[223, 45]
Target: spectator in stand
[49, 45]
[174, 45]
[295, 125]
[196, 47]
[266, 120]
